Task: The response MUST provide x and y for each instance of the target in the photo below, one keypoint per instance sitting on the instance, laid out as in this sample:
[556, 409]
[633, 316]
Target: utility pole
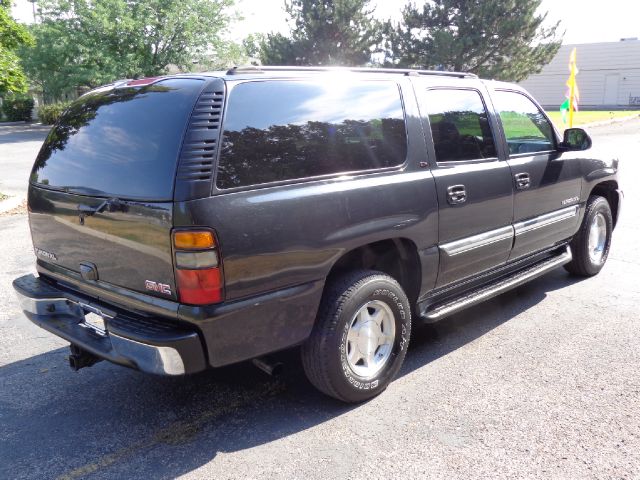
[33, 6]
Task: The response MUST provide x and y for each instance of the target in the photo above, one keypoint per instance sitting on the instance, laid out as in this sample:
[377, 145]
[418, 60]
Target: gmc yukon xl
[198, 220]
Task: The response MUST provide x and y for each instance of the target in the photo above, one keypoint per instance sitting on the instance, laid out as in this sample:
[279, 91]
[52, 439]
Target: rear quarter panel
[276, 236]
[272, 238]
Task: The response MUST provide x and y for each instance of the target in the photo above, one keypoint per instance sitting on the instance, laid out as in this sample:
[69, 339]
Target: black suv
[194, 221]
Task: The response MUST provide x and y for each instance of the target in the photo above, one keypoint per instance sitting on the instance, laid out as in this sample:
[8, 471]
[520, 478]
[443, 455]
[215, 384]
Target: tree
[89, 43]
[12, 36]
[324, 32]
[502, 39]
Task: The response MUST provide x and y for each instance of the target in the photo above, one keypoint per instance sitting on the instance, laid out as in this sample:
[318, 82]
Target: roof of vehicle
[272, 70]
[245, 72]
[264, 72]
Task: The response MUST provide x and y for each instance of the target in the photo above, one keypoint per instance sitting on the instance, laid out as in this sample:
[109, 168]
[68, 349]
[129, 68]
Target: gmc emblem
[157, 287]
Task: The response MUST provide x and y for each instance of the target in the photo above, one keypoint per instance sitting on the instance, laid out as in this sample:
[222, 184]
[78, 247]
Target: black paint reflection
[286, 130]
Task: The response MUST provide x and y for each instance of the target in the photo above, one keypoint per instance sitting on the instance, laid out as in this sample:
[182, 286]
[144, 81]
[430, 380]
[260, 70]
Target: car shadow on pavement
[110, 422]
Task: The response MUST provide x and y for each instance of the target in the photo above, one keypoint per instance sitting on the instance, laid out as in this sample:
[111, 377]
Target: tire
[359, 310]
[588, 261]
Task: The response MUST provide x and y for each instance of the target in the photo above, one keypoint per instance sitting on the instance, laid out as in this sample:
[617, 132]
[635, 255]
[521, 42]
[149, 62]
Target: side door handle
[456, 194]
[523, 181]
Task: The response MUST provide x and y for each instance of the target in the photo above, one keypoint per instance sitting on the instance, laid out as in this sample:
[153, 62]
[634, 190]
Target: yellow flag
[574, 92]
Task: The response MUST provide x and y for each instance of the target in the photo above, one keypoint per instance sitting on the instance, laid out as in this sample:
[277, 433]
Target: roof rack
[403, 71]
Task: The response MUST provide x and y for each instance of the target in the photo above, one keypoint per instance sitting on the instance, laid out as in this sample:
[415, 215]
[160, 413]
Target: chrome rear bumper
[148, 344]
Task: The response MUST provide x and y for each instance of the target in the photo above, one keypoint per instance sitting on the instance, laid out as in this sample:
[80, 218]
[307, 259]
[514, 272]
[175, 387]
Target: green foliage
[17, 109]
[501, 39]
[12, 36]
[49, 114]
[89, 43]
[324, 32]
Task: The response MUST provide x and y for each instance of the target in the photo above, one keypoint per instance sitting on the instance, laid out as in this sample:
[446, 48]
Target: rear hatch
[101, 190]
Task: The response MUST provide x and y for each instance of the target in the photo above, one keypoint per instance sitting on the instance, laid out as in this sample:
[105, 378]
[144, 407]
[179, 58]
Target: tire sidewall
[348, 383]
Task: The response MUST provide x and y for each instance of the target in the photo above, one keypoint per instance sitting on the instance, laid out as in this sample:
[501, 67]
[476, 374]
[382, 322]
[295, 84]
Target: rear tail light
[198, 270]
[199, 287]
[193, 240]
[206, 259]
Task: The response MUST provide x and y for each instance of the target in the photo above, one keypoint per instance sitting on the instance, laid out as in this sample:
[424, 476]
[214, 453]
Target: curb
[11, 203]
[23, 124]
[611, 121]
[12, 124]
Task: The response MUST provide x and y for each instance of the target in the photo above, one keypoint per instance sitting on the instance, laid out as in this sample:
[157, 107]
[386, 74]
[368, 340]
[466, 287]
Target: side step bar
[440, 310]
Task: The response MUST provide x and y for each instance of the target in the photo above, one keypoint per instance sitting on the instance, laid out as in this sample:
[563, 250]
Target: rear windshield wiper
[112, 204]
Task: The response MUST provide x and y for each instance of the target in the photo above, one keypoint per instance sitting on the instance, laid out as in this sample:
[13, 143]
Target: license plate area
[95, 323]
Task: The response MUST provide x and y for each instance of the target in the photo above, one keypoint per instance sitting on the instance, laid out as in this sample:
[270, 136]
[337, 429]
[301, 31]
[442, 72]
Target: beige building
[609, 76]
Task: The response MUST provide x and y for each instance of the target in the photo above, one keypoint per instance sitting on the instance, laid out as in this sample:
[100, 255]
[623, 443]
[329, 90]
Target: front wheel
[360, 338]
[590, 246]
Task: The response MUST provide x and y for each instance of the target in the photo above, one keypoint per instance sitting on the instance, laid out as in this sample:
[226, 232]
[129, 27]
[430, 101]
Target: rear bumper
[148, 344]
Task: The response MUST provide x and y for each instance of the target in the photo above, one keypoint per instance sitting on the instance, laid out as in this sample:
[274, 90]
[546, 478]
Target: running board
[439, 310]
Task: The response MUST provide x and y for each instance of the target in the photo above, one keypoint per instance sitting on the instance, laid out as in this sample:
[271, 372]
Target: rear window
[284, 130]
[121, 142]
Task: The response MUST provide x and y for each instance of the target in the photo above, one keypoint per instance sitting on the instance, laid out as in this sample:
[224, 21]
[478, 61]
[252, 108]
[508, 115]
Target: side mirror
[575, 139]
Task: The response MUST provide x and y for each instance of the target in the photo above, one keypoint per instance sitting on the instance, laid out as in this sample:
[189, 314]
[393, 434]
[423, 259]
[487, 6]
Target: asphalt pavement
[540, 382]
[19, 145]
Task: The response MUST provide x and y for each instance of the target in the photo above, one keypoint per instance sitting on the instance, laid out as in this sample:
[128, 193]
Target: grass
[589, 116]
[521, 126]
[3, 196]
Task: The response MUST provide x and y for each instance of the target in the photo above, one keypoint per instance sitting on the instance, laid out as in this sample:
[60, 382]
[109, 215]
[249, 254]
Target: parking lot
[540, 382]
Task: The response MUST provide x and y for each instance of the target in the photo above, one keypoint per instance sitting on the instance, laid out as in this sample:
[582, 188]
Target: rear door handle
[456, 194]
[523, 181]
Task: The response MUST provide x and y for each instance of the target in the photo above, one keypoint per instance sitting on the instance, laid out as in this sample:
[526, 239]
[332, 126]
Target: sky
[585, 21]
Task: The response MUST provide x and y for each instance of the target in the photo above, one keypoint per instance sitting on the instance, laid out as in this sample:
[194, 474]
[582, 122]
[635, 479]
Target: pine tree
[501, 39]
[324, 32]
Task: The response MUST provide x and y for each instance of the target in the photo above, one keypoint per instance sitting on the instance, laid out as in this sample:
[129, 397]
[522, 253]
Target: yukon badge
[570, 200]
[44, 254]
[157, 287]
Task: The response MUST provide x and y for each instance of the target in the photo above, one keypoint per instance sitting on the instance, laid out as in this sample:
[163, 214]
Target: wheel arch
[397, 257]
[609, 190]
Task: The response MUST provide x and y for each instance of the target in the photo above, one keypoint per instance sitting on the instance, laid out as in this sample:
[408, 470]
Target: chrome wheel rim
[370, 339]
[597, 238]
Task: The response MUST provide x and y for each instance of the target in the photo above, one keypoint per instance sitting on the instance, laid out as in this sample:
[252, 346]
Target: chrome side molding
[438, 311]
[546, 219]
[481, 240]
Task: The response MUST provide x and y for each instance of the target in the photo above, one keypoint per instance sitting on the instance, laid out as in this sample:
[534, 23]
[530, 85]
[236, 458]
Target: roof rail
[403, 71]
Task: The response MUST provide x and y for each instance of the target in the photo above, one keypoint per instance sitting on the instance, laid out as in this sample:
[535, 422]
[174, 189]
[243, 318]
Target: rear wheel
[360, 337]
[590, 246]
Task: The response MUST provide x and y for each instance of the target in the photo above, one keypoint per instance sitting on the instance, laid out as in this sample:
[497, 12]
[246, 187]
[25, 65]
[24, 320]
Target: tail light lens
[199, 287]
[193, 240]
[199, 275]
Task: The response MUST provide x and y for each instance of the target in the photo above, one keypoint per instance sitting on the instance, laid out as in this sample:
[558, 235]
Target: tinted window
[284, 130]
[526, 128]
[120, 142]
[459, 125]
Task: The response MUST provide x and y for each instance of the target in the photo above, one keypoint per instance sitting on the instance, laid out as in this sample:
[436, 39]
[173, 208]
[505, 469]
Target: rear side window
[121, 142]
[525, 127]
[284, 130]
[459, 124]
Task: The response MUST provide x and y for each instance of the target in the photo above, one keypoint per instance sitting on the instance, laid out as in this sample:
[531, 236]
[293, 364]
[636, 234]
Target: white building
[609, 76]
